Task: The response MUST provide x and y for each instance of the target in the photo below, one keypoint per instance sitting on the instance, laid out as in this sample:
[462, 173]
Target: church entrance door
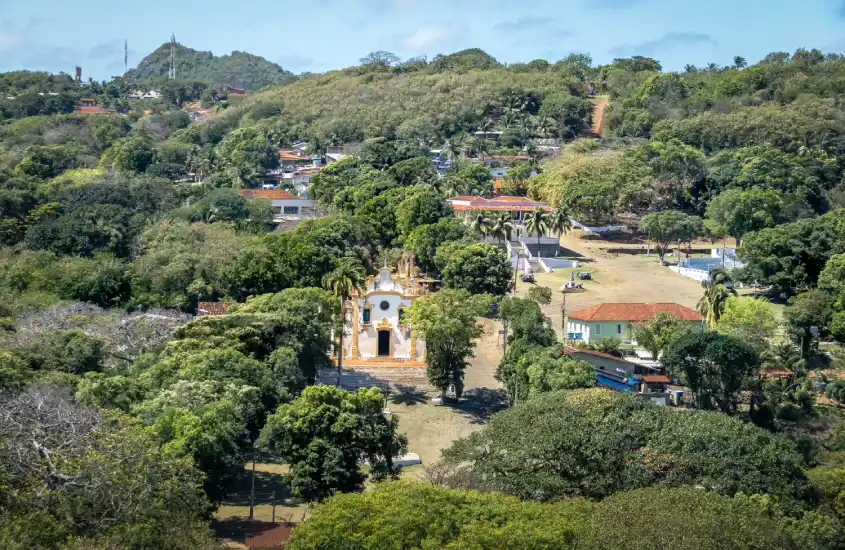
[384, 343]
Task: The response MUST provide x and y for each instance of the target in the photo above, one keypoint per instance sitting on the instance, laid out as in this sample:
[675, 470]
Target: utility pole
[252, 491]
[505, 332]
[172, 73]
[563, 316]
[273, 496]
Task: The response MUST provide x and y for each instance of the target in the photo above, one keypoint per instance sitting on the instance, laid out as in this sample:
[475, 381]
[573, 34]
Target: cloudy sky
[319, 35]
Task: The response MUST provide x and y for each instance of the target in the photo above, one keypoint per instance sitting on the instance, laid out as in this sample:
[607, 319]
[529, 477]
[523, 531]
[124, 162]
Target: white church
[376, 323]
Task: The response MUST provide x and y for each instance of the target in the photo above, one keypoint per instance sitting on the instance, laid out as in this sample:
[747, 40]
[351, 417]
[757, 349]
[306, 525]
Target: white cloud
[429, 35]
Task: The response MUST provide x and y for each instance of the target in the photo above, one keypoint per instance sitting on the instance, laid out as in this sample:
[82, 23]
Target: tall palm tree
[712, 67]
[740, 62]
[716, 294]
[546, 126]
[501, 228]
[691, 68]
[533, 153]
[480, 224]
[560, 223]
[348, 275]
[537, 223]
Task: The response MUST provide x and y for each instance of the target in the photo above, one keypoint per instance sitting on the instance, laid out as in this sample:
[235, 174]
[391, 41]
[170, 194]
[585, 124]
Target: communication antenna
[125, 56]
[172, 74]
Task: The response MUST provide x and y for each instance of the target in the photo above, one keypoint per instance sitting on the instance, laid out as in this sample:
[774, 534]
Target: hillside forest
[126, 419]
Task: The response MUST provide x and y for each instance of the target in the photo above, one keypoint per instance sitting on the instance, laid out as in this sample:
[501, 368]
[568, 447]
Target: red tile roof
[92, 110]
[271, 194]
[268, 536]
[284, 155]
[633, 312]
[656, 379]
[213, 308]
[569, 350]
[503, 202]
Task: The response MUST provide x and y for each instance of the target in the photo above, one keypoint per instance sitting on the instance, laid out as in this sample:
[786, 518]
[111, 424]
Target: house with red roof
[468, 207]
[289, 207]
[618, 320]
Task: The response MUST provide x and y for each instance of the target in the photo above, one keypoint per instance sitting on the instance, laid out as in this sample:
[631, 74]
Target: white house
[137, 94]
[288, 206]
[152, 94]
[377, 321]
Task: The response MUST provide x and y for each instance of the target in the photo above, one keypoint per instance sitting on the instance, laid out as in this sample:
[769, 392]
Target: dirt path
[600, 103]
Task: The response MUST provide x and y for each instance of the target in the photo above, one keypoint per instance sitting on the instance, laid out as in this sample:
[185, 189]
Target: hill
[355, 104]
[239, 69]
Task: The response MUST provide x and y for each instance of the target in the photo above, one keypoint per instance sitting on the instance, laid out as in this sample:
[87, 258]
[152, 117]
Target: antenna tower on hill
[125, 56]
[172, 73]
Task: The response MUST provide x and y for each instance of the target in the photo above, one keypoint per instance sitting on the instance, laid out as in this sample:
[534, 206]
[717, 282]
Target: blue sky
[319, 35]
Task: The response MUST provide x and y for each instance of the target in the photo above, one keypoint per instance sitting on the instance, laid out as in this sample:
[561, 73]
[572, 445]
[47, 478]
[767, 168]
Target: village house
[288, 206]
[617, 320]
[377, 320]
[467, 207]
[618, 374]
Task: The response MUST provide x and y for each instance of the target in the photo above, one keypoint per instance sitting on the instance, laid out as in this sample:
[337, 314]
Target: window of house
[401, 316]
[598, 330]
[291, 210]
[384, 305]
[618, 329]
[368, 314]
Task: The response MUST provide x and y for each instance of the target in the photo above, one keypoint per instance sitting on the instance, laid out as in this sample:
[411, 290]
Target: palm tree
[348, 275]
[533, 153]
[712, 67]
[546, 125]
[480, 224]
[502, 228]
[560, 223]
[537, 222]
[740, 62]
[691, 68]
[716, 294]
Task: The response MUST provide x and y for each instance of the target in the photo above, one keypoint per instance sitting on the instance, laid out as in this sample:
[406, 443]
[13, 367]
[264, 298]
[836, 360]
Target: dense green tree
[667, 226]
[741, 212]
[572, 114]
[424, 240]
[713, 365]
[791, 256]
[131, 154]
[751, 319]
[404, 515]
[47, 161]
[103, 280]
[326, 433]
[249, 153]
[659, 331]
[478, 268]
[422, 205]
[446, 320]
[595, 443]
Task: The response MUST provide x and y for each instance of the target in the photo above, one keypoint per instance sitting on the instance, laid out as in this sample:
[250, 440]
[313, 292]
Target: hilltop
[238, 69]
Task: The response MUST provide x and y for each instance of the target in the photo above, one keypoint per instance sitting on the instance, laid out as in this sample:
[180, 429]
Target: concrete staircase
[393, 379]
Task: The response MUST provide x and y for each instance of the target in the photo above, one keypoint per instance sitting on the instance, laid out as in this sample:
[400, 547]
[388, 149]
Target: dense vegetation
[239, 69]
[113, 228]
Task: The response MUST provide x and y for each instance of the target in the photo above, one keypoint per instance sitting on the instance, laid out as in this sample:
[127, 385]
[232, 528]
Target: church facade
[376, 323]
